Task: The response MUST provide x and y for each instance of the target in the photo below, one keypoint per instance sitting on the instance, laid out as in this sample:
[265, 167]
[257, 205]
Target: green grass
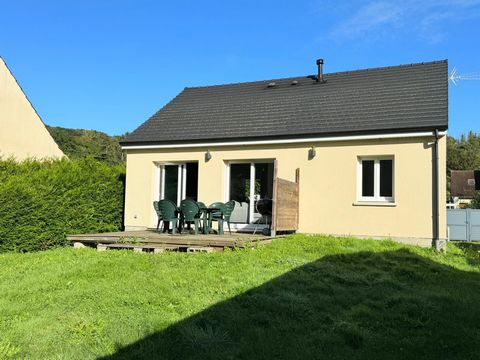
[297, 298]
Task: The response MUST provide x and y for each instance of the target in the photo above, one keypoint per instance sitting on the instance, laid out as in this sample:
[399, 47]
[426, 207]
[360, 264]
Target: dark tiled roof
[389, 99]
[464, 183]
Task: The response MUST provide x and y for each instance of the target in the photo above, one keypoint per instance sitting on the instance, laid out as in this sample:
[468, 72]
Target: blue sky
[108, 65]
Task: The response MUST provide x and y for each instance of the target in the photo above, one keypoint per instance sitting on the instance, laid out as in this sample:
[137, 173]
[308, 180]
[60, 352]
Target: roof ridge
[326, 74]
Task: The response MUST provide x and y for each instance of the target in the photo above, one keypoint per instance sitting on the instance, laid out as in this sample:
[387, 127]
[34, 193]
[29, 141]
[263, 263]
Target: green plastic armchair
[168, 210]
[159, 214]
[191, 212]
[217, 216]
[229, 207]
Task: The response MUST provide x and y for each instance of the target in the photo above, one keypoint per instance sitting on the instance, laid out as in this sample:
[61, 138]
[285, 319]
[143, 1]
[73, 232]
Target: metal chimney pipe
[320, 71]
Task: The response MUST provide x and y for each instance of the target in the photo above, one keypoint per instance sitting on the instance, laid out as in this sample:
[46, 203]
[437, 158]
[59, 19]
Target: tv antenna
[455, 77]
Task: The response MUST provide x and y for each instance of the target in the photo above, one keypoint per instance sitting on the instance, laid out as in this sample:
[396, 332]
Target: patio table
[206, 214]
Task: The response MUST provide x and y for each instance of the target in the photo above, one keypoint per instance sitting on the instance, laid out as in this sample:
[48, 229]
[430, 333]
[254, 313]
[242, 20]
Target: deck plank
[152, 237]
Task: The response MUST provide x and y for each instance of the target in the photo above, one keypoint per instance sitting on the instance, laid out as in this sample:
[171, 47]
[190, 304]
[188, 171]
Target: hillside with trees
[79, 143]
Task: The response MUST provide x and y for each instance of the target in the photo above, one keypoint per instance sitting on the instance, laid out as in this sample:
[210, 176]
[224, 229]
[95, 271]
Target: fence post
[468, 226]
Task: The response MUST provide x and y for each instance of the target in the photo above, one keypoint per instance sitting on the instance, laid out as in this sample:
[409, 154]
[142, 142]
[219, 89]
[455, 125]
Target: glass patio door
[179, 181]
[263, 185]
[172, 181]
[248, 183]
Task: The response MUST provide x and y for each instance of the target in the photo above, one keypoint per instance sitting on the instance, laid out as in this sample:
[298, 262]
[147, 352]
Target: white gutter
[287, 141]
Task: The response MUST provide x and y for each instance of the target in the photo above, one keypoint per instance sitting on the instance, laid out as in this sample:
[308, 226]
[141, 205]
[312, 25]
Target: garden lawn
[300, 297]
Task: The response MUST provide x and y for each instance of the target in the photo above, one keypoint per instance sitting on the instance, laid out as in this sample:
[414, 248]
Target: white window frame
[181, 182]
[376, 180]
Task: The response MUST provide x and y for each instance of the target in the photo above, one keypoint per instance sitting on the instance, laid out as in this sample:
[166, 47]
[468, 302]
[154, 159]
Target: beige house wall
[328, 184]
[22, 132]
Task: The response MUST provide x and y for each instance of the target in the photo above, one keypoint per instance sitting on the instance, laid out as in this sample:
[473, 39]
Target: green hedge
[41, 202]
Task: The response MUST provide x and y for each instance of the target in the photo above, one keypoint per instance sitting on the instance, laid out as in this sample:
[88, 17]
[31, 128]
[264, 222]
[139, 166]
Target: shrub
[41, 202]
[475, 204]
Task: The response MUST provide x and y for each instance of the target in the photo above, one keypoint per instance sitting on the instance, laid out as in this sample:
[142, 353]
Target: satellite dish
[455, 77]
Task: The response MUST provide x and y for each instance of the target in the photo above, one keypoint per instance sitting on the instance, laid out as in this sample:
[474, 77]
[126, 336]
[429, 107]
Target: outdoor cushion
[240, 213]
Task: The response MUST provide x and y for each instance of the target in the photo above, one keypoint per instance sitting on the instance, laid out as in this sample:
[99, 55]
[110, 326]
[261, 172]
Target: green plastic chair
[202, 205]
[229, 207]
[217, 216]
[168, 210]
[159, 214]
[191, 213]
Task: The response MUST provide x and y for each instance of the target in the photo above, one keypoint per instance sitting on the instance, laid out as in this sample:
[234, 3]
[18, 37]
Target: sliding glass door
[172, 178]
[249, 182]
[179, 181]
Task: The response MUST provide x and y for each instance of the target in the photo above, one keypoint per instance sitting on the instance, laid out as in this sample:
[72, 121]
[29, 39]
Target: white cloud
[427, 19]
[369, 18]
[430, 27]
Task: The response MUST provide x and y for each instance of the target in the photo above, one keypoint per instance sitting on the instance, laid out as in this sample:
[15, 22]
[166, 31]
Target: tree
[462, 154]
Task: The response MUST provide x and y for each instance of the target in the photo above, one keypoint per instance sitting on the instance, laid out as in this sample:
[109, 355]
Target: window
[375, 179]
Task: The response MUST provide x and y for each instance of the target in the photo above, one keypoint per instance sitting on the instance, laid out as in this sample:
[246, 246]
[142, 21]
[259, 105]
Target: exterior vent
[294, 82]
[320, 77]
[272, 84]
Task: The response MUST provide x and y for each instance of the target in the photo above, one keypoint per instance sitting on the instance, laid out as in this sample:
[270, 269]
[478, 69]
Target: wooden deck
[150, 239]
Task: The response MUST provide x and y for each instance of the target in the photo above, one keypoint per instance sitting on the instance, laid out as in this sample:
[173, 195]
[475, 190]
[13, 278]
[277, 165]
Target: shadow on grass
[363, 305]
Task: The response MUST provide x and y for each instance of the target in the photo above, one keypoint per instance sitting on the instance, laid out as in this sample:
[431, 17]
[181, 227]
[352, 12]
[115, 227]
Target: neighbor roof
[464, 183]
[380, 100]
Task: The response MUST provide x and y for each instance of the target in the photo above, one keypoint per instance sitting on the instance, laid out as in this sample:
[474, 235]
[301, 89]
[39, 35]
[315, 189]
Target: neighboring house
[464, 184]
[370, 146]
[22, 133]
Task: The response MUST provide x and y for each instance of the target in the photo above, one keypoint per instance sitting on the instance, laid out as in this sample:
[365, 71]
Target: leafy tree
[462, 154]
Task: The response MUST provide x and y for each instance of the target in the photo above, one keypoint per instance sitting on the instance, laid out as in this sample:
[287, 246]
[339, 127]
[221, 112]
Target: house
[359, 153]
[22, 132]
[464, 184]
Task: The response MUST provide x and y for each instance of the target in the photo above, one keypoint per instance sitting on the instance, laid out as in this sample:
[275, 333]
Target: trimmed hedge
[41, 202]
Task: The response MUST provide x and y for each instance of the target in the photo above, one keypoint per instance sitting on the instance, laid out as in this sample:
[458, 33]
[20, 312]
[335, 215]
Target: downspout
[437, 243]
